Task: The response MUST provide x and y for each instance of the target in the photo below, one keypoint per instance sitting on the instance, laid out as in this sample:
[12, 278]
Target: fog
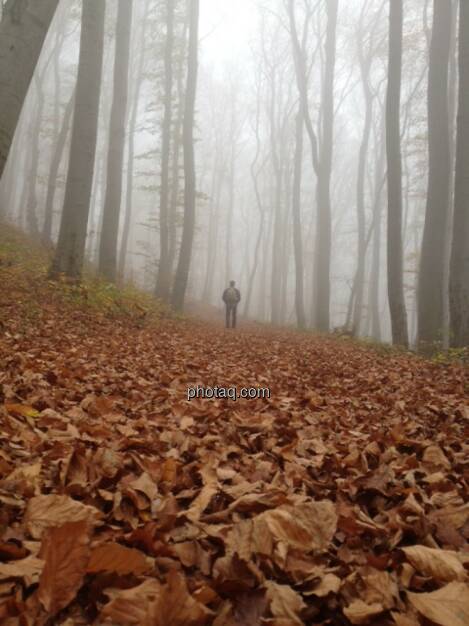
[316, 187]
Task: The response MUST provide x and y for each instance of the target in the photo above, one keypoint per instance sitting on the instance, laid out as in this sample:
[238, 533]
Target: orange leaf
[113, 557]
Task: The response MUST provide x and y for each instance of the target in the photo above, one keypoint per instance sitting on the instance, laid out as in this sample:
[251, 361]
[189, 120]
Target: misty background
[273, 76]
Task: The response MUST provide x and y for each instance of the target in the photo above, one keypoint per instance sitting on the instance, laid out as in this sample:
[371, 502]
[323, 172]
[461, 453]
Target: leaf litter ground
[342, 499]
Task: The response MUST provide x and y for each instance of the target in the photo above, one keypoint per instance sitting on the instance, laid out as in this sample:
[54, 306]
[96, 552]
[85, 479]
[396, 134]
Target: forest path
[304, 496]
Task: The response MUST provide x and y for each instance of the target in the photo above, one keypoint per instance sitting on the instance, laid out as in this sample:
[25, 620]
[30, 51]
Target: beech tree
[432, 261]
[185, 252]
[23, 29]
[459, 270]
[115, 156]
[394, 163]
[164, 271]
[68, 258]
[321, 156]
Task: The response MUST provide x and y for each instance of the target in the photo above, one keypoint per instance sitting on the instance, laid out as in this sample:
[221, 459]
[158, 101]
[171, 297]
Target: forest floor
[341, 499]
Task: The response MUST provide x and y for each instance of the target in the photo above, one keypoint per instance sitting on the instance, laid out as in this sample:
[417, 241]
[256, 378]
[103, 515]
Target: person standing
[231, 297]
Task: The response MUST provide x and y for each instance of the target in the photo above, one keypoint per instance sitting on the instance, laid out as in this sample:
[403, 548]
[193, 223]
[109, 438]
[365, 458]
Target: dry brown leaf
[285, 602]
[65, 550]
[29, 569]
[200, 503]
[176, 606]
[448, 606]
[113, 557]
[442, 565]
[329, 584]
[306, 527]
[361, 613]
[405, 620]
[51, 510]
[434, 456]
[129, 607]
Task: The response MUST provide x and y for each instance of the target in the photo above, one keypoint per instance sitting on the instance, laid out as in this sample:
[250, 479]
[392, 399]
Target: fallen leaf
[448, 606]
[113, 557]
[285, 602]
[47, 511]
[442, 565]
[29, 569]
[176, 606]
[65, 550]
[129, 607]
[358, 612]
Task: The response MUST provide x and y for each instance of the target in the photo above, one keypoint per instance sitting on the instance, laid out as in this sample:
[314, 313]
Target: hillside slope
[341, 499]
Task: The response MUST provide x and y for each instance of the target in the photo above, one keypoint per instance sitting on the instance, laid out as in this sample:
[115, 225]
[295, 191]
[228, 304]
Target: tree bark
[459, 270]
[296, 210]
[115, 159]
[69, 254]
[23, 29]
[323, 231]
[185, 253]
[394, 161]
[131, 149]
[54, 171]
[432, 260]
[163, 280]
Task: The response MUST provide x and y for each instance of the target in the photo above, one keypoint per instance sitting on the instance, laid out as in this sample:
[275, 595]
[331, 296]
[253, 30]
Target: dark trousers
[231, 315]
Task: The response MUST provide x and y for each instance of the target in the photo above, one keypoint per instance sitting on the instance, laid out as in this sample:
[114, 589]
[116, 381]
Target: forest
[269, 197]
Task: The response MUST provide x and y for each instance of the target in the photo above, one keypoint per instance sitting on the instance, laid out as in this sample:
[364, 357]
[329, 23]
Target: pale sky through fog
[226, 28]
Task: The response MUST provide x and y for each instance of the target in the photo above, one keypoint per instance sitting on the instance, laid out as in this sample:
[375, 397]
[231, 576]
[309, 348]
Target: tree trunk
[163, 280]
[230, 206]
[31, 202]
[365, 66]
[322, 272]
[185, 253]
[72, 236]
[376, 253]
[296, 210]
[212, 241]
[115, 158]
[255, 182]
[23, 29]
[394, 161]
[452, 108]
[459, 271]
[54, 171]
[131, 150]
[432, 260]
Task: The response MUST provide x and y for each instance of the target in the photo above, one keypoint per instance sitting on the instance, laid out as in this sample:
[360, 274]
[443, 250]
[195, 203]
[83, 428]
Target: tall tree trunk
[452, 109]
[375, 270]
[212, 240]
[23, 30]
[54, 170]
[432, 260]
[322, 277]
[185, 253]
[365, 66]
[230, 208]
[394, 161]
[459, 271]
[69, 254]
[131, 148]
[296, 210]
[255, 181]
[163, 280]
[115, 159]
[177, 140]
[31, 202]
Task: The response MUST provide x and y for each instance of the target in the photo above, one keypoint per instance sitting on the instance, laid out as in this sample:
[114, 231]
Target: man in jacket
[231, 297]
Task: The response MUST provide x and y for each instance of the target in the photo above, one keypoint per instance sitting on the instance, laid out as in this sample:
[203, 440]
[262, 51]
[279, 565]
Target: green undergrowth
[24, 266]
